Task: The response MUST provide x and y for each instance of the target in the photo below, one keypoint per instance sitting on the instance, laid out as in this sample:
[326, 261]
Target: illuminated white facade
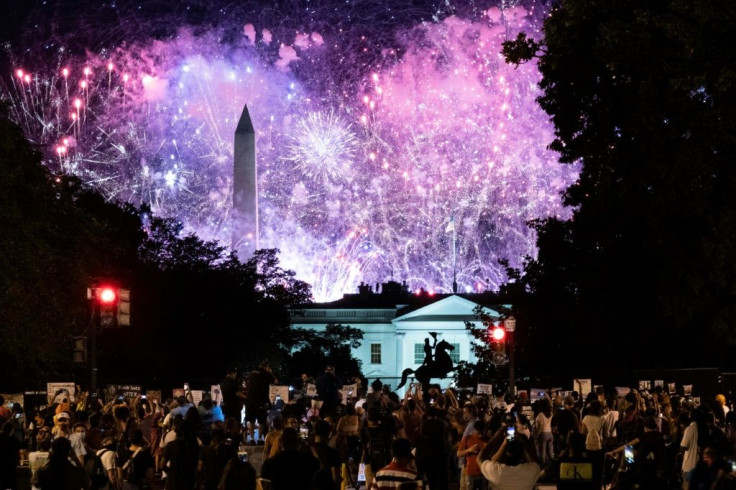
[394, 332]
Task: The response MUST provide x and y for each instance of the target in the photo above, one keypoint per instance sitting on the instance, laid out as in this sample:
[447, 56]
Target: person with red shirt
[469, 448]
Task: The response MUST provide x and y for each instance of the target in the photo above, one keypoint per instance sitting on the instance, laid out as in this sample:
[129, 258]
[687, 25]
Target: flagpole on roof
[454, 252]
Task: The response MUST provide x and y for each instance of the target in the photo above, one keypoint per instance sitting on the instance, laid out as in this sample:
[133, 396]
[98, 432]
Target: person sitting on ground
[399, 470]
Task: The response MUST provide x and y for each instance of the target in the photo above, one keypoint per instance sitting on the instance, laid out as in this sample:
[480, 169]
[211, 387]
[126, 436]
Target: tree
[199, 309]
[56, 236]
[314, 349]
[195, 307]
[641, 95]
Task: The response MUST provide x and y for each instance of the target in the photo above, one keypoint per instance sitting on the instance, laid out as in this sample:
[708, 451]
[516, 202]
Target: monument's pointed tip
[245, 125]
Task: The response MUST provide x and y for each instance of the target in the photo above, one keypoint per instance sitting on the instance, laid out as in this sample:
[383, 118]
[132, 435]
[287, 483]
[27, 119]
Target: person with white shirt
[514, 465]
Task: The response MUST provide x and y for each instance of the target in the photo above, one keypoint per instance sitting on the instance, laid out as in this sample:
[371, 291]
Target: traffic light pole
[93, 349]
[510, 326]
[512, 375]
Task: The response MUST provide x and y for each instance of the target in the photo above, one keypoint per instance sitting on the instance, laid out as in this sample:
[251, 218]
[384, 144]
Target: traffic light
[79, 349]
[107, 298]
[123, 307]
[497, 339]
[113, 305]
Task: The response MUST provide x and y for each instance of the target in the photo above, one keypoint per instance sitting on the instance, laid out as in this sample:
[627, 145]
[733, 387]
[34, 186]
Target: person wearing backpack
[139, 469]
[104, 468]
[592, 428]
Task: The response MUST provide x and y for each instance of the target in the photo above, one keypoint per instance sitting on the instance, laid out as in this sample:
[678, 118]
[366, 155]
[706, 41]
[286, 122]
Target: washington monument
[245, 189]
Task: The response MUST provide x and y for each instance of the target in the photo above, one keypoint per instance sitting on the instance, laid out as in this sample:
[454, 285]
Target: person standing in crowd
[213, 459]
[257, 401]
[543, 432]
[378, 431]
[375, 395]
[328, 390]
[59, 473]
[292, 467]
[5, 413]
[271, 443]
[433, 448]
[469, 447]
[9, 457]
[140, 468]
[19, 423]
[39, 457]
[689, 446]
[62, 426]
[711, 472]
[469, 417]
[239, 475]
[564, 421]
[649, 467]
[180, 458]
[233, 396]
[328, 477]
[399, 470]
[109, 459]
[592, 427]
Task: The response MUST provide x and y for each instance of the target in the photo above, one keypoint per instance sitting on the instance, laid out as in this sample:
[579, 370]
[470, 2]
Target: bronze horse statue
[440, 366]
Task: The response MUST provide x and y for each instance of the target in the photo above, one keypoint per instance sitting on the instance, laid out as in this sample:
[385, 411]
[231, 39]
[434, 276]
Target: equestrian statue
[437, 364]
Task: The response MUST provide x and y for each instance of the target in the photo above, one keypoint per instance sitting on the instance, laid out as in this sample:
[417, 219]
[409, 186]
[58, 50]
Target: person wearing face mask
[79, 448]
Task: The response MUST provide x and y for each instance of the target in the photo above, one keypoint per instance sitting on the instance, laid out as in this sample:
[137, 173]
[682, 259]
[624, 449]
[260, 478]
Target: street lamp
[510, 325]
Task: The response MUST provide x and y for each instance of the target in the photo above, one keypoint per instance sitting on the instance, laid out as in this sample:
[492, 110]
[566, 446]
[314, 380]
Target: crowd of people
[429, 438]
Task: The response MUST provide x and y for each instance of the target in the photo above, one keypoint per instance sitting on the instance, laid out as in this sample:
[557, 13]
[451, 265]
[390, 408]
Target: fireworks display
[375, 143]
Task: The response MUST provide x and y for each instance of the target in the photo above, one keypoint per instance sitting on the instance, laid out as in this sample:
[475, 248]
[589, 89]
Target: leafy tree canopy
[641, 95]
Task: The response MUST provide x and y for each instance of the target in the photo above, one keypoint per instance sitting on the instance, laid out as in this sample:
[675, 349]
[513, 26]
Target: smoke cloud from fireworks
[361, 166]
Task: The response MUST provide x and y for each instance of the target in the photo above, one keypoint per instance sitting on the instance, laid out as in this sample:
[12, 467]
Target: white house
[395, 324]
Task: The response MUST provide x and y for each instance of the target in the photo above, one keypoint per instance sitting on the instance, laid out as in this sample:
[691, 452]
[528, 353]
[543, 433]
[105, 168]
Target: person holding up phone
[645, 456]
[514, 464]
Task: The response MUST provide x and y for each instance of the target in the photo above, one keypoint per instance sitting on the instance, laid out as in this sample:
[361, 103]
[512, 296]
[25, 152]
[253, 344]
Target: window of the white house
[418, 353]
[375, 353]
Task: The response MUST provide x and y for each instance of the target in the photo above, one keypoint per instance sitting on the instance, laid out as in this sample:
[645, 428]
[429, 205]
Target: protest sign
[484, 389]
[55, 392]
[280, 391]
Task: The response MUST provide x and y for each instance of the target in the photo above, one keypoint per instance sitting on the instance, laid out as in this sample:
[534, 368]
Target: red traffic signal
[498, 334]
[107, 295]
